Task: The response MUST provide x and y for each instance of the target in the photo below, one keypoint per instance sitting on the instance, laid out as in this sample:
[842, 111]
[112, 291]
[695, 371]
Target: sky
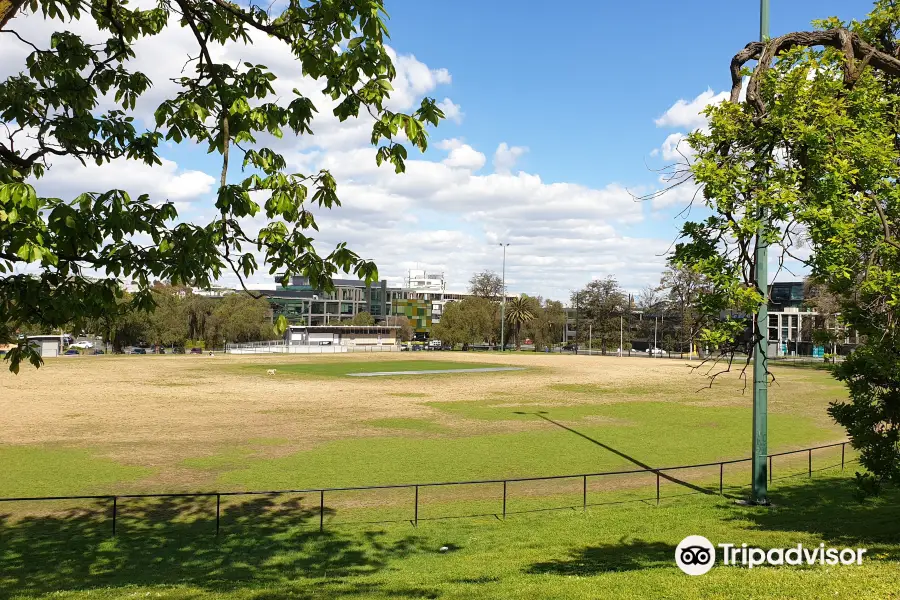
[559, 117]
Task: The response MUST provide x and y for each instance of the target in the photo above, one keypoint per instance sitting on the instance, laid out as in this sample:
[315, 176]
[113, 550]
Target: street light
[503, 302]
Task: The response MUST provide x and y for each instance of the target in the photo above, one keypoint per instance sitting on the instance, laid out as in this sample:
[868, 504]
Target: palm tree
[518, 312]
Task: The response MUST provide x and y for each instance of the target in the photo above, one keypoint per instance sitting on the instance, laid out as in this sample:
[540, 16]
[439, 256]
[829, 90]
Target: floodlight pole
[759, 488]
[503, 302]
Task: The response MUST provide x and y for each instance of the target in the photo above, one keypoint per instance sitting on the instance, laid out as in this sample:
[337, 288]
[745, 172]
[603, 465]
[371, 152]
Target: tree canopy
[486, 284]
[811, 159]
[75, 98]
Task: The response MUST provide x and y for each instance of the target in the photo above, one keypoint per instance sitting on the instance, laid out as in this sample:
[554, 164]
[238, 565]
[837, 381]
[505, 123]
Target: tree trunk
[8, 9]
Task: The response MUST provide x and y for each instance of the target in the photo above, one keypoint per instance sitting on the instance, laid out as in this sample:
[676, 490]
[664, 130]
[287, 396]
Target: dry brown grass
[157, 411]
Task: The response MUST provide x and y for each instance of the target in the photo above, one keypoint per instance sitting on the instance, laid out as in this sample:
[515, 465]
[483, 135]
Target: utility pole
[655, 324]
[759, 489]
[591, 339]
[503, 302]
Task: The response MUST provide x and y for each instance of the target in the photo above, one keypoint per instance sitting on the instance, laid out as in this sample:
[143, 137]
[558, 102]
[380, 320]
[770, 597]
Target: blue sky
[558, 113]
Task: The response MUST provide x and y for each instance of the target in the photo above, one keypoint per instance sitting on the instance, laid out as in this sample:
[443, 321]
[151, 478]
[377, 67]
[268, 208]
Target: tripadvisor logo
[696, 555]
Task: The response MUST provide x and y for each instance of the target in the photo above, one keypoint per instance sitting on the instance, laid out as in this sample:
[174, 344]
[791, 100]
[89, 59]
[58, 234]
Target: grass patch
[346, 367]
[582, 439]
[615, 552]
[46, 471]
[408, 395]
[423, 425]
[604, 390]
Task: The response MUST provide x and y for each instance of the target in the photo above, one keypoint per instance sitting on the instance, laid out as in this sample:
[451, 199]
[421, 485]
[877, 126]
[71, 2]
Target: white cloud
[441, 213]
[452, 111]
[462, 156]
[505, 157]
[686, 114]
[67, 178]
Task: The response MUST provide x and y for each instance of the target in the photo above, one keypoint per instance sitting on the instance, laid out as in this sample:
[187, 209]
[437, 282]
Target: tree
[486, 284]
[405, 333]
[362, 318]
[238, 318]
[519, 312]
[58, 107]
[600, 303]
[547, 326]
[684, 287]
[813, 154]
[467, 321]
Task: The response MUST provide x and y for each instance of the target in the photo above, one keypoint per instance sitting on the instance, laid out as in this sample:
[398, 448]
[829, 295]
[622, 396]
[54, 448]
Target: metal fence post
[416, 514]
[810, 462]
[115, 503]
[504, 499]
[770, 468]
[321, 511]
[843, 447]
[584, 494]
[657, 488]
[218, 503]
[721, 477]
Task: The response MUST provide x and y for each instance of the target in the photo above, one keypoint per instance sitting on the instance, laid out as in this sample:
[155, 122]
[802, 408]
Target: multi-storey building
[301, 303]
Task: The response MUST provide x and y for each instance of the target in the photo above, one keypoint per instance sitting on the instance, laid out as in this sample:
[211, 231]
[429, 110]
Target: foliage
[600, 304]
[468, 321]
[405, 333]
[58, 107]
[813, 155]
[684, 289]
[519, 312]
[486, 284]
[360, 318]
[548, 324]
[181, 316]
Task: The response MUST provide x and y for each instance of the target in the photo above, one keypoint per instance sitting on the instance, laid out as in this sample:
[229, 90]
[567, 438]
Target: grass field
[101, 425]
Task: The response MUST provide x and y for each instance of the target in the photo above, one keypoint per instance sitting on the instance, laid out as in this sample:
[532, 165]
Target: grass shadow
[264, 542]
[627, 555]
[828, 507]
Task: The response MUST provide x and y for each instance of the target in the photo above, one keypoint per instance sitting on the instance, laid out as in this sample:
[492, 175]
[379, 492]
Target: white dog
[270, 372]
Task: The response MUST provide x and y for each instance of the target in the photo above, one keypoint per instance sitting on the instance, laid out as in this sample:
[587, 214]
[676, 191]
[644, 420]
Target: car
[82, 345]
[656, 352]
[71, 352]
[138, 351]
[196, 350]
[570, 347]
[98, 351]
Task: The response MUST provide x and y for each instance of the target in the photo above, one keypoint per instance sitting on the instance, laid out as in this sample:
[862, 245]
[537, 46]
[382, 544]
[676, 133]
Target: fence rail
[321, 492]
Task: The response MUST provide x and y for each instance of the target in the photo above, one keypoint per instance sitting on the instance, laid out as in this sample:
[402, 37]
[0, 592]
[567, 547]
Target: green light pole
[503, 302]
[760, 492]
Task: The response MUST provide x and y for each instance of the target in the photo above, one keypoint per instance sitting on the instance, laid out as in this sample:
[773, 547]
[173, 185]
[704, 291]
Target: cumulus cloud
[442, 213]
[452, 111]
[505, 157]
[687, 114]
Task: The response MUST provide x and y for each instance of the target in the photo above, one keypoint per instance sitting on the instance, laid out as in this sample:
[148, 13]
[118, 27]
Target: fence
[279, 347]
[582, 481]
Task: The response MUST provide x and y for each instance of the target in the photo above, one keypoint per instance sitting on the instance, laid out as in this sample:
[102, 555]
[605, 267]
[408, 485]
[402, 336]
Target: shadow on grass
[263, 543]
[633, 555]
[829, 508]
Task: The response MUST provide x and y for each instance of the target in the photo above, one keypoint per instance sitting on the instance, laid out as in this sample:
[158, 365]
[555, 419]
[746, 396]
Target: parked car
[98, 351]
[138, 351]
[71, 352]
[177, 350]
[82, 345]
[656, 352]
[196, 350]
[570, 347]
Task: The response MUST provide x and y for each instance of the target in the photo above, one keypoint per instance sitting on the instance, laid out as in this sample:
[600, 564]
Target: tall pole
[591, 339]
[503, 302]
[655, 346]
[759, 488]
[621, 338]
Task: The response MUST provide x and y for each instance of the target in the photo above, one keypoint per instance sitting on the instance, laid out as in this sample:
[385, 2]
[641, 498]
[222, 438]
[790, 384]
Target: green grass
[423, 425]
[345, 367]
[596, 439]
[268, 551]
[54, 471]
